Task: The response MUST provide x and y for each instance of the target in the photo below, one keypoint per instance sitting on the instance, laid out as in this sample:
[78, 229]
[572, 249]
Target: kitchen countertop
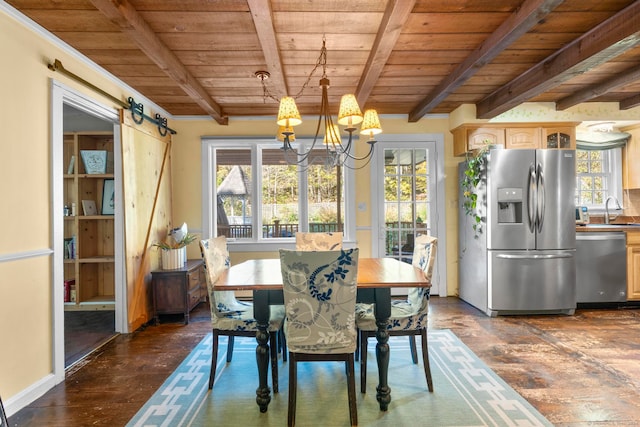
[608, 227]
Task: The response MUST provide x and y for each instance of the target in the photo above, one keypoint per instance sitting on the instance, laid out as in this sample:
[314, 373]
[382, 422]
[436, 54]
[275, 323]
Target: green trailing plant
[475, 166]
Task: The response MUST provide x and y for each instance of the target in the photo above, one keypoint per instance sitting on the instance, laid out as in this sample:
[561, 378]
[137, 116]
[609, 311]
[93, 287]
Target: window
[291, 198]
[599, 175]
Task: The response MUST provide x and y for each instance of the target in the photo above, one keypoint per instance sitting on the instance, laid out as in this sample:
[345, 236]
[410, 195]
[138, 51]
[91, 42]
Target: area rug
[466, 392]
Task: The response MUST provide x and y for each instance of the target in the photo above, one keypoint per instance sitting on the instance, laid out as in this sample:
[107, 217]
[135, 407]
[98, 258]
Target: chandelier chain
[320, 62]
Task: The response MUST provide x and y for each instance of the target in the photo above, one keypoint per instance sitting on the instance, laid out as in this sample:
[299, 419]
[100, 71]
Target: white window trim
[257, 244]
[615, 170]
[439, 221]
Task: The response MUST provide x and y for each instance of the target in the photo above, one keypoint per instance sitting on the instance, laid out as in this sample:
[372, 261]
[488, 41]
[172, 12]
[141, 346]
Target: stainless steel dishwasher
[601, 267]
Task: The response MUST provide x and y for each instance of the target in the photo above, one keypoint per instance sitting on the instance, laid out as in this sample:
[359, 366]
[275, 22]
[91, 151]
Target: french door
[406, 198]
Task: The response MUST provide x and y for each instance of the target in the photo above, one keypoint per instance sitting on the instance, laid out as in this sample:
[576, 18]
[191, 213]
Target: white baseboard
[28, 395]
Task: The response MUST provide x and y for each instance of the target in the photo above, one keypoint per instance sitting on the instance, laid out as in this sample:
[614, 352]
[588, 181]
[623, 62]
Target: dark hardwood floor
[84, 331]
[581, 370]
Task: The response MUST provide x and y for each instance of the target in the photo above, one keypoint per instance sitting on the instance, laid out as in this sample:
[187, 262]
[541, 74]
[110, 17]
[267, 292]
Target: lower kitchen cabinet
[633, 265]
[179, 291]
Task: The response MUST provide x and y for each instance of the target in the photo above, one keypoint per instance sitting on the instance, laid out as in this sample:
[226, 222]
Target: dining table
[376, 278]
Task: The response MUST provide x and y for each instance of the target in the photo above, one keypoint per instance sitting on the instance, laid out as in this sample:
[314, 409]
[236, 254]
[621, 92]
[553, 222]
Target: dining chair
[3, 415]
[408, 317]
[318, 241]
[320, 298]
[230, 317]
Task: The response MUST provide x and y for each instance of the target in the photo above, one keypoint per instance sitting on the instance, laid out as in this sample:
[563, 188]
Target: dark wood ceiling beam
[123, 14]
[586, 94]
[630, 102]
[262, 15]
[520, 21]
[395, 15]
[607, 40]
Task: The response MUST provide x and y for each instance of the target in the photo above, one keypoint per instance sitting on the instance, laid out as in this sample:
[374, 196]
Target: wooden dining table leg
[382, 313]
[261, 314]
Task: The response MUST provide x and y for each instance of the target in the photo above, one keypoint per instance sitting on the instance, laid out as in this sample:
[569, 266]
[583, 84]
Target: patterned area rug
[466, 392]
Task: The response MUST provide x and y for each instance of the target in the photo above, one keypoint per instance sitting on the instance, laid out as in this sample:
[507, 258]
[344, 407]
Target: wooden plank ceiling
[409, 57]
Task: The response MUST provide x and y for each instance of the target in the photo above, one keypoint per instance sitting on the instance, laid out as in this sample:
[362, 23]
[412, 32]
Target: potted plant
[173, 249]
[475, 167]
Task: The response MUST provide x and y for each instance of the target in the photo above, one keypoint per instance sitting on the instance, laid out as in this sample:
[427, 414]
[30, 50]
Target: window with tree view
[291, 197]
[598, 175]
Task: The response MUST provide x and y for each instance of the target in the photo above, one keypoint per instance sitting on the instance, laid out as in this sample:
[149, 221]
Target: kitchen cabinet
[559, 137]
[469, 137]
[523, 138]
[631, 151]
[179, 291]
[633, 265]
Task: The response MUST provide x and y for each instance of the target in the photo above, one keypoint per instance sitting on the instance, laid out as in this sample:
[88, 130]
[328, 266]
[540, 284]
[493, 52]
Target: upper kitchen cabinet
[469, 137]
[559, 137]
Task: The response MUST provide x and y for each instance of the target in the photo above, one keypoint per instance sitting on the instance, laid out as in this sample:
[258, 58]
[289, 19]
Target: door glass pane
[407, 203]
[233, 184]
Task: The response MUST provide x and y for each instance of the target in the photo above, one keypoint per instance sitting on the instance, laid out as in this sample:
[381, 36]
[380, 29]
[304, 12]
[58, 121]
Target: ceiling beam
[518, 23]
[262, 15]
[125, 16]
[607, 40]
[395, 15]
[630, 102]
[628, 77]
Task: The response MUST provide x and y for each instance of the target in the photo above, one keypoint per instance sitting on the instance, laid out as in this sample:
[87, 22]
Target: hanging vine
[476, 161]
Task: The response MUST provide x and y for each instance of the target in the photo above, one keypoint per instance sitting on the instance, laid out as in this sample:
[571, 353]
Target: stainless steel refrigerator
[523, 260]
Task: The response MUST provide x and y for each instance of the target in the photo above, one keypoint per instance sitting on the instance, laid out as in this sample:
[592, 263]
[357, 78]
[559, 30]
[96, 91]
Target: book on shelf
[70, 248]
[69, 285]
[71, 164]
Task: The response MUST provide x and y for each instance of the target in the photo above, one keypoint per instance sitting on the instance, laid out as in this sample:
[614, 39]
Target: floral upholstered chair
[408, 317]
[320, 298]
[229, 316]
[318, 241]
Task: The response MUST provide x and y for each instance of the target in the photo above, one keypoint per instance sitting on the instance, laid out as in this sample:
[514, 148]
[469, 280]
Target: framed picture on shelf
[95, 161]
[89, 207]
[108, 197]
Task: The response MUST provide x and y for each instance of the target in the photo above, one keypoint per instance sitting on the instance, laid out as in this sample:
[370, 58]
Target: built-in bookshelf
[89, 234]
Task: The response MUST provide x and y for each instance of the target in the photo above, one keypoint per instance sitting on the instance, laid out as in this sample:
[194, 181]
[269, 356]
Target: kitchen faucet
[606, 208]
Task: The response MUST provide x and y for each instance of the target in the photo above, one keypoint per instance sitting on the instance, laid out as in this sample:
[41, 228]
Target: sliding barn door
[146, 182]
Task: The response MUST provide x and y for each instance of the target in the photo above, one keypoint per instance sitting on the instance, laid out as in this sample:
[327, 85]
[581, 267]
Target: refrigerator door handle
[531, 198]
[546, 256]
[541, 195]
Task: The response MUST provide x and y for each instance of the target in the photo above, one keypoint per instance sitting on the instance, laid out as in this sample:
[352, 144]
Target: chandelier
[349, 115]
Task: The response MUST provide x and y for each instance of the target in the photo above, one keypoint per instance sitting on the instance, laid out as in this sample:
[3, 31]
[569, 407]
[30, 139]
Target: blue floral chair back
[216, 259]
[230, 317]
[320, 297]
[424, 257]
[318, 241]
[408, 317]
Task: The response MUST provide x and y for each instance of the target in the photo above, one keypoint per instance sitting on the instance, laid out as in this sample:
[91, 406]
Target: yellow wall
[26, 320]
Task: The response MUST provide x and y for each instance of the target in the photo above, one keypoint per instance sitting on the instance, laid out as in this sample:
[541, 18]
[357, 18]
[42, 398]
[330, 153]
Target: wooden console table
[180, 290]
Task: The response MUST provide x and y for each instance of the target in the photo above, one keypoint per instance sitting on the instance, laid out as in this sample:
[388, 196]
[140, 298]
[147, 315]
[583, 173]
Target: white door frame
[435, 145]
[60, 95]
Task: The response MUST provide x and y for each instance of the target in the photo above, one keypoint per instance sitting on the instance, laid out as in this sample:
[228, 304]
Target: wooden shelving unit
[89, 265]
